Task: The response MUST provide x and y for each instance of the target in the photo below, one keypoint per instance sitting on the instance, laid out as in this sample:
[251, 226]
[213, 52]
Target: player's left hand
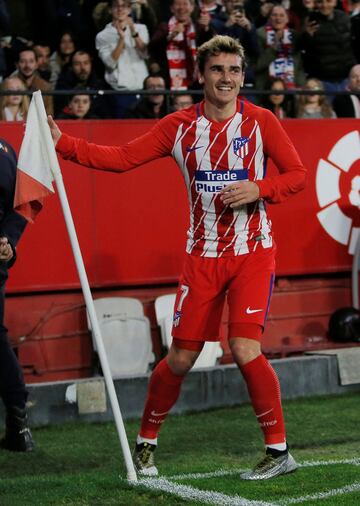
[240, 193]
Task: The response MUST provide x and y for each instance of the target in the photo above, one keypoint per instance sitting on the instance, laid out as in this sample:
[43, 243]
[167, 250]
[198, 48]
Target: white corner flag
[37, 162]
[38, 167]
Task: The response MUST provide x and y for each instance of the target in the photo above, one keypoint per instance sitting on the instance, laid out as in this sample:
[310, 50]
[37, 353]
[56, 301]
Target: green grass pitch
[199, 457]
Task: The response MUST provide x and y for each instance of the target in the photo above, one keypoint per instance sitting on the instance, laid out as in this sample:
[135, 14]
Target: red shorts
[247, 282]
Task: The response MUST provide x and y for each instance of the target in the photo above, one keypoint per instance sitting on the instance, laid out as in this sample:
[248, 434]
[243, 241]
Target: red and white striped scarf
[181, 56]
[283, 65]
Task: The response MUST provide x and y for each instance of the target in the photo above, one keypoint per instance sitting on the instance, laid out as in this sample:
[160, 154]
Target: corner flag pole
[54, 164]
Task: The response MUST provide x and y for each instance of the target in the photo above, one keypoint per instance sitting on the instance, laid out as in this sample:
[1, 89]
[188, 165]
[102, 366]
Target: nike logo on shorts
[251, 311]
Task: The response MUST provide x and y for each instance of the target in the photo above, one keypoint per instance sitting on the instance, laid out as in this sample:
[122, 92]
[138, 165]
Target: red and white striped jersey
[211, 155]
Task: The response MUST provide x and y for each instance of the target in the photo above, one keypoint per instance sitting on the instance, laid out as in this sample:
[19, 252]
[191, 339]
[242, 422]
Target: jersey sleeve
[278, 146]
[154, 144]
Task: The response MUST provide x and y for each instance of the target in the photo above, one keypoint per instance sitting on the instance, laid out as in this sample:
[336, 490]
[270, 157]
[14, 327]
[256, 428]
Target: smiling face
[182, 10]
[222, 77]
[278, 17]
[326, 7]
[120, 10]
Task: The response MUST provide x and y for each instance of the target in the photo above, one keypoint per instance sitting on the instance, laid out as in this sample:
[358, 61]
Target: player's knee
[244, 350]
[181, 361]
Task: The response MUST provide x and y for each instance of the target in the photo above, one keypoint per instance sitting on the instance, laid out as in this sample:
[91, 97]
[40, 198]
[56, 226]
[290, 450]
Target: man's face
[120, 10]
[278, 18]
[182, 102]
[182, 10]
[155, 83]
[43, 56]
[326, 7]
[82, 66]
[27, 64]
[354, 78]
[223, 78]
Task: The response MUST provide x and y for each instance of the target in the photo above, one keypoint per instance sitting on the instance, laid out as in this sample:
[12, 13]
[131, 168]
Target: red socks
[264, 391]
[163, 391]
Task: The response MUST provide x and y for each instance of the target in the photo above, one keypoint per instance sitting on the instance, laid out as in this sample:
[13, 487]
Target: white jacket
[130, 70]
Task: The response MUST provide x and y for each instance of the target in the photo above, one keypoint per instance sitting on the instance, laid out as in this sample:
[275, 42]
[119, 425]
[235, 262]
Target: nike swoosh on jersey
[265, 413]
[153, 413]
[189, 149]
[251, 311]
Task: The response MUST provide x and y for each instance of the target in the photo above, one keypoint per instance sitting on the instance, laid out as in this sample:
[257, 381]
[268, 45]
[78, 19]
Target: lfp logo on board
[338, 191]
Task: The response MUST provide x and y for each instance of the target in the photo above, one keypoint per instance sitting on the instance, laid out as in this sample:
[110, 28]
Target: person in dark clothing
[12, 387]
[354, 6]
[81, 75]
[149, 106]
[326, 42]
[79, 107]
[348, 106]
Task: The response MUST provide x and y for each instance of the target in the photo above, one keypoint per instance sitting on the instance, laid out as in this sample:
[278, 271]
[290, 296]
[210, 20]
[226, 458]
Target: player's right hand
[54, 129]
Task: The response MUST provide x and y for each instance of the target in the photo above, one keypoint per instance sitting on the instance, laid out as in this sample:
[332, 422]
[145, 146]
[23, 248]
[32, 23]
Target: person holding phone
[326, 45]
[237, 24]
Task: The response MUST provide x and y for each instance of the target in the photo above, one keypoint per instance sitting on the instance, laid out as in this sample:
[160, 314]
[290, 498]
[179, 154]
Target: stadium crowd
[127, 45]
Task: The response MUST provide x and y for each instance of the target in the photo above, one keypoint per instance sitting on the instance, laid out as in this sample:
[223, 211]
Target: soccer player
[221, 146]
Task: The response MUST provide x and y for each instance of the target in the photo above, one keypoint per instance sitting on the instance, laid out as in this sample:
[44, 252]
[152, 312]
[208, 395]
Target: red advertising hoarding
[132, 227]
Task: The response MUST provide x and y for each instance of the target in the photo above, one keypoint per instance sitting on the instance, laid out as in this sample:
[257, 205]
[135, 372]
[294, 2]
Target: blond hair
[326, 109]
[4, 99]
[215, 46]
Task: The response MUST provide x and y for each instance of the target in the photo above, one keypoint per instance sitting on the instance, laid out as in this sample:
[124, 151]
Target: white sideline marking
[206, 496]
[188, 492]
[228, 472]
[322, 495]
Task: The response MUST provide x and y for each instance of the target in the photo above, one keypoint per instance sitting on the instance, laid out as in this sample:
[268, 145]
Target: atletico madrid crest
[241, 146]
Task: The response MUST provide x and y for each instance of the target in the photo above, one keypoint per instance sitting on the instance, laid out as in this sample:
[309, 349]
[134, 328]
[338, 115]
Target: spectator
[279, 55]
[13, 107]
[173, 46]
[42, 52]
[79, 107]
[327, 44]
[4, 29]
[314, 106]
[162, 10]
[27, 66]
[122, 47]
[143, 12]
[60, 59]
[81, 75]
[181, 102]
[299, 12]
[281, 105]
[212, 12]
[237, 25]
[355, 27]
[348, 106]
[260, 11]
[149, 106]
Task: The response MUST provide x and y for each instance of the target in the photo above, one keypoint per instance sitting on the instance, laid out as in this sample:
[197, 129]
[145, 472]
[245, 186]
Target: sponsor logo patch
[213, 181]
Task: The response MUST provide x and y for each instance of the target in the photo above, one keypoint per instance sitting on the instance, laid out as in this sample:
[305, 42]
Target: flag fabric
[37, 162]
